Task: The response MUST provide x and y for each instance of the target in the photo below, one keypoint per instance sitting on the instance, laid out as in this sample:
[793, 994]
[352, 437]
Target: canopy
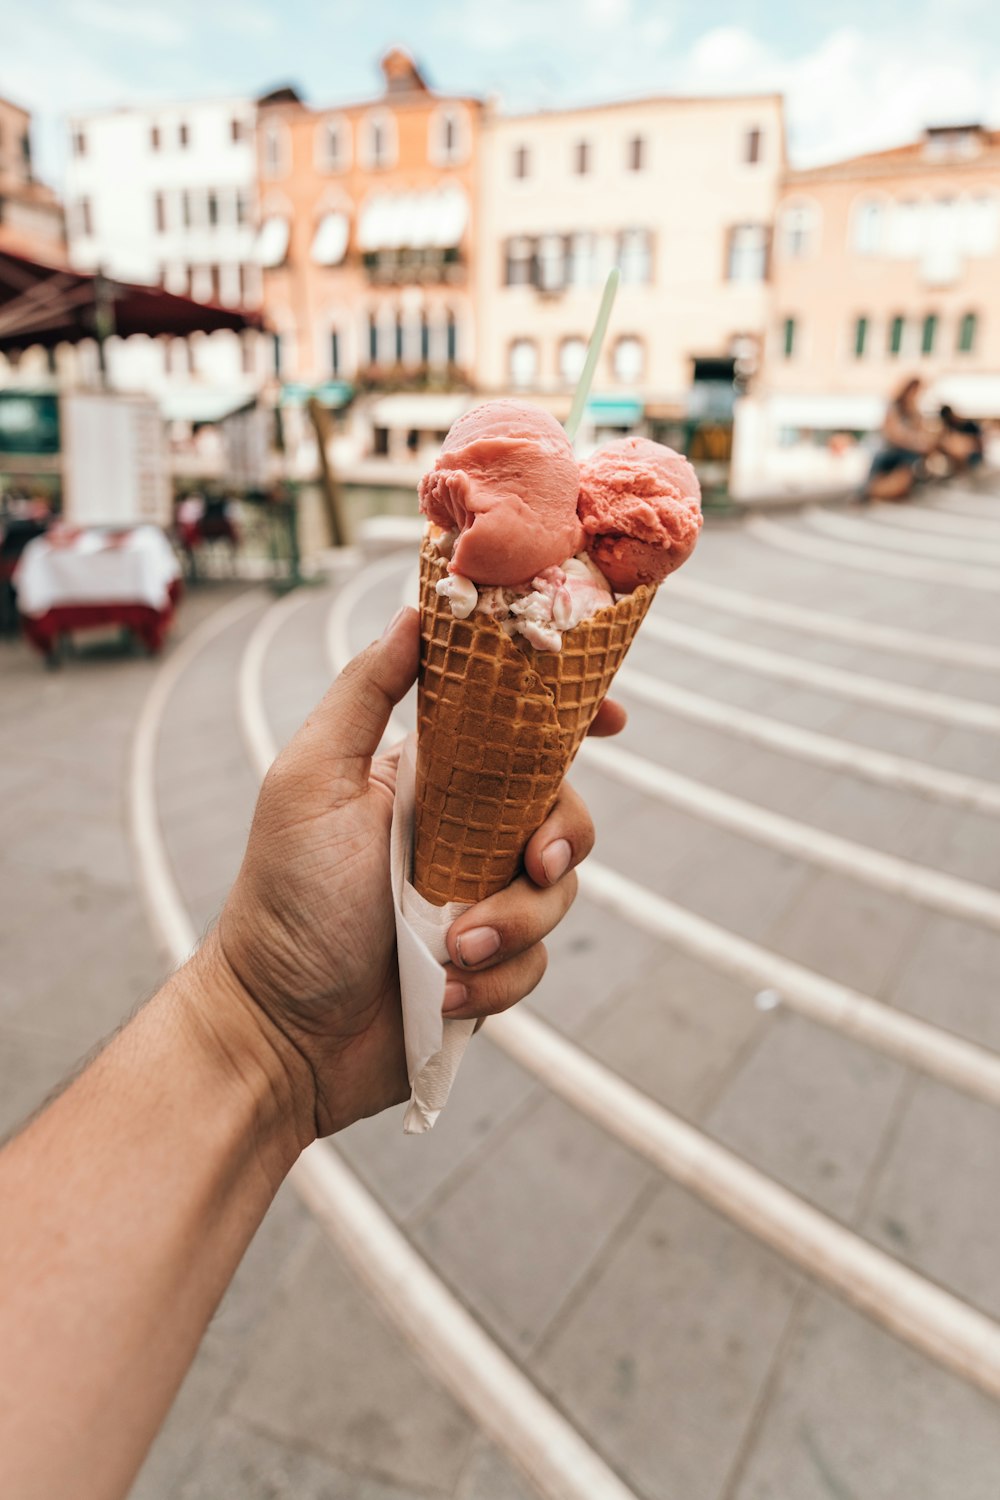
[411, 221]
[50, 305]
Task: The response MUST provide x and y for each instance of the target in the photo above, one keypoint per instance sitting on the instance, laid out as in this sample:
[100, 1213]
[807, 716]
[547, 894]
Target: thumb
[352, 717]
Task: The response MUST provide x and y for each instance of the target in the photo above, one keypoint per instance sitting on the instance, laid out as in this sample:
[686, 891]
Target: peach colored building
[31, 216]
[680, 193]
[884, 267]
[367, 234]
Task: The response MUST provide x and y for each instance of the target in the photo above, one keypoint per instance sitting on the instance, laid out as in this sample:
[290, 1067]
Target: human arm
[129, 1201]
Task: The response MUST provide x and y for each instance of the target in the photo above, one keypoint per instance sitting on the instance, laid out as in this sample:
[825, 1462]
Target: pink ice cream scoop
[640, 504]
[507, 481]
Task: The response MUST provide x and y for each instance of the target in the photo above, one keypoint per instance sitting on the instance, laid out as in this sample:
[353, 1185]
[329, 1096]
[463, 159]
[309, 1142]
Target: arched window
[522, 363]
[271, 244]
[572, 353]
[799, 225]
[379, 140]
[628, 359]
[333, 145]
[275, 149]
[967, 330]
[448, 136]
[869, 226]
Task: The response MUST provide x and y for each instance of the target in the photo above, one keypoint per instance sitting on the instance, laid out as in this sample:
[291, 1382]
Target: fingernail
[555, 860]
[455, 996]
[394, 621]
[477, 945]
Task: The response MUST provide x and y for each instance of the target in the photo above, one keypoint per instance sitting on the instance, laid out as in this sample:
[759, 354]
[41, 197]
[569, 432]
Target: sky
[858, 75]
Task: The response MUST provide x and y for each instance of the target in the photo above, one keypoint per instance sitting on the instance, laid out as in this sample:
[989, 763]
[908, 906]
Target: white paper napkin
[434, 1046]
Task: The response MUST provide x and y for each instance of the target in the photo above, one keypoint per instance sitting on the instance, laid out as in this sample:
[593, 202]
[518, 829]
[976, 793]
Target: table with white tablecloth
[77, 579]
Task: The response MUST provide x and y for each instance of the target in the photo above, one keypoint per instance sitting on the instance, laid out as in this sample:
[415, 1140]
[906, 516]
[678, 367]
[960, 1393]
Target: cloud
[143, 23]
[854, 91]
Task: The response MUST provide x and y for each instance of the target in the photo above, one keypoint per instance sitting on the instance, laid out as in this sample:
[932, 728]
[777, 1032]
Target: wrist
[250, 1057]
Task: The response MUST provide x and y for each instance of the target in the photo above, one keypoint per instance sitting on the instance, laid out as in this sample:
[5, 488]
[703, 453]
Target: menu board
[115, 464]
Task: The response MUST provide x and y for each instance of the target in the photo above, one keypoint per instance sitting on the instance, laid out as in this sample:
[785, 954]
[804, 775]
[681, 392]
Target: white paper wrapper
[434, 1045]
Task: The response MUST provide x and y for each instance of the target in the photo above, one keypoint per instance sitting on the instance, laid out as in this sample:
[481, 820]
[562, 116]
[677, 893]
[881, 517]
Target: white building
[166, 194]
[680, 193]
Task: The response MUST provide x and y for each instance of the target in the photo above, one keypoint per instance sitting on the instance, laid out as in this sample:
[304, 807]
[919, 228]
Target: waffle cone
[498, 726]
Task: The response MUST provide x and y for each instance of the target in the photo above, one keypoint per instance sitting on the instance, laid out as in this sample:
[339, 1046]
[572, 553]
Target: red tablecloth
[150, 625]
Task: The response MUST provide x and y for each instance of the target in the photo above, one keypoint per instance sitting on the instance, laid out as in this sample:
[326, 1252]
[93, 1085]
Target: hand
[308, 930]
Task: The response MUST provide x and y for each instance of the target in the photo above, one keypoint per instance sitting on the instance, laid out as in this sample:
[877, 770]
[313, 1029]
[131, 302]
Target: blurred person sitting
[961, 440]
[908, 441]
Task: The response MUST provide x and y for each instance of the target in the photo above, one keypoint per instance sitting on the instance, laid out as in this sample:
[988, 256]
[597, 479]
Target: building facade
[680, 193]
[884, 268]
[31, 216]
[368, 235]
[166, 194]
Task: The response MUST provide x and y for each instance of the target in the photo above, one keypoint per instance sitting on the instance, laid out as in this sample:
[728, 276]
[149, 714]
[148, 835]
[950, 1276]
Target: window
[242, 206]
[79, 143]
[446, 138]
[398, 339]
[747, 257]
[372, 338]
[582, 269]
[333, 145]
[904, 229]
[928, 333]
[869, 221]
[154, 138]
[788, 332]
[274, 149]
[425, 339]
[237, 131]
[522, 162]
[329, 244]
[798, 226]
[628, 359]
[552, 262]
[581, 158]
[271, 244]
[572, 353]
[979, 226]
[186, 210]
[635, 155]
[520, 263]
[860, 337]
[379, 138]
[897, 328]
[635, 256]
[160, 212]
[967, 334]
[214, 284]
[85, 216]
[522, 363]
[183, 135]
[752, 143]
[248, 352]
[451, 337]
[213, 209]
[276, 353]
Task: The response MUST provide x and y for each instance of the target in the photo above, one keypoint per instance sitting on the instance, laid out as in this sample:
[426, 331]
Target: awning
[328, 393]
[826, 413]
[413, 221]
[424, 413]
[49, 305]
[202, 407]
[614, 411]
[329, 244]
[970, 395]
[271, 244]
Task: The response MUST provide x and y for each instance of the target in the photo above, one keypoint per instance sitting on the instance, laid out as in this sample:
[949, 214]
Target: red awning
[49, 305]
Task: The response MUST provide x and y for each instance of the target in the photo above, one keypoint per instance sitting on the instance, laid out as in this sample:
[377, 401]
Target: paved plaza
[783, 669]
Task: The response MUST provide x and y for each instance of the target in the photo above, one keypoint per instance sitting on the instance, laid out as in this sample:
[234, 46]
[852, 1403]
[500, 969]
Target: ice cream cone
[498, 726]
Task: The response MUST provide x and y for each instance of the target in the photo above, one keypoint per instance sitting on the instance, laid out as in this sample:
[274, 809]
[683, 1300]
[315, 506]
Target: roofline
[376, 101]
[772, 97]
[21, 108]
[79, 117]
[897, 157]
